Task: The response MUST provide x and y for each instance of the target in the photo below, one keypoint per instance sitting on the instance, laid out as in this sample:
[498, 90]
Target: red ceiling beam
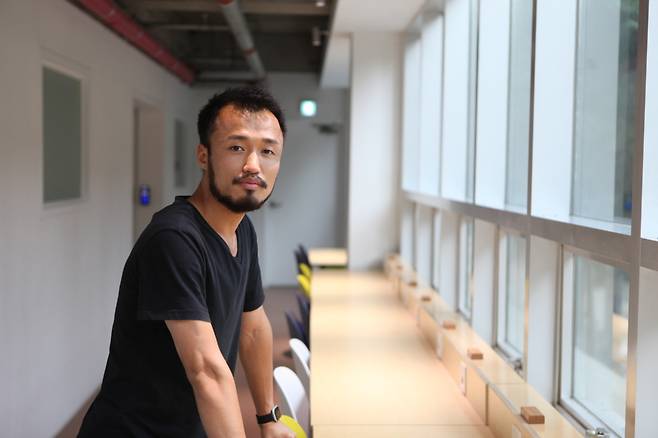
[113, 17]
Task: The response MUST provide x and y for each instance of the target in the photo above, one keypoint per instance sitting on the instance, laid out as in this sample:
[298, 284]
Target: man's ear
[202, 156]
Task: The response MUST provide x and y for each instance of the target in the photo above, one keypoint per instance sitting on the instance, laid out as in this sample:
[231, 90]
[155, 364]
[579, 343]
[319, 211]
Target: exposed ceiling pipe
[238, 26]
[117, 20]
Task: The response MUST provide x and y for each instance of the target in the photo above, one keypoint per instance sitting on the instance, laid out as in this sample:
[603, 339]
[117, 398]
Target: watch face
[277, 413]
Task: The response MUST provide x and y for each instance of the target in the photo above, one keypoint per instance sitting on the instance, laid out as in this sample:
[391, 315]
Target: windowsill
[493, 371]
[613, 227]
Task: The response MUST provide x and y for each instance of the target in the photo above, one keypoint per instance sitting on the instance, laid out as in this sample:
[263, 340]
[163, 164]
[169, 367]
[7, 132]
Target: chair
[304, 254]
[304, 311]
[294, 426]
[301, 357]
[295, 328]
[305, 270]
[304, 284]
[292, 397]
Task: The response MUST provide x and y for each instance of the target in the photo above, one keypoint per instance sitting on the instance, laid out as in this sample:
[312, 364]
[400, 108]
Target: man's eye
[236, 148]
[268, 151]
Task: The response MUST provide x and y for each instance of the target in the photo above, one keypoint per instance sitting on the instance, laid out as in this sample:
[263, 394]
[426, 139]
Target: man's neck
[218, 216]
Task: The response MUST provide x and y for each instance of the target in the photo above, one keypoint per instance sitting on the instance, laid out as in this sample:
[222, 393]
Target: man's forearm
[256, 358]
[218, 406]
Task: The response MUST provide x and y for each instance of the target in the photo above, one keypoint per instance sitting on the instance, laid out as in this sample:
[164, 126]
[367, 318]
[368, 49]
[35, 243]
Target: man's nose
[252, 165]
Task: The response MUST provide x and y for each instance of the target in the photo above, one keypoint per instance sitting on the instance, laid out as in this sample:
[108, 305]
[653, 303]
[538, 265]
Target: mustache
[250, 178]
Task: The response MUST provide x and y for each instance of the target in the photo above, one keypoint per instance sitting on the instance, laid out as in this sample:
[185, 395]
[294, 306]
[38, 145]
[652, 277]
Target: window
[604, 109]
[594, 342]
[411, 108]
[460, 73]
[62, 136]
[431, 71]
[518, 119]
[465, 300]
[511, 295]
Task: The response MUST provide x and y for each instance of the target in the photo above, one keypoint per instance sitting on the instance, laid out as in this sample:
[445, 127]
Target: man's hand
[275, 430]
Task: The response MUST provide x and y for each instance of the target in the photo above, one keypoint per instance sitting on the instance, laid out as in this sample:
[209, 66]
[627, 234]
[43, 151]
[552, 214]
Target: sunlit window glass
[466, 267]
[511, 297]
[605, 109]
[519, 103]
[600, 341]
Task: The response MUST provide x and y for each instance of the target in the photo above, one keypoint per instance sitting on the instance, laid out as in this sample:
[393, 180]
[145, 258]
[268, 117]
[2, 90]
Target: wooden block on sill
[474, 354]
[448, 324]
[532, 415]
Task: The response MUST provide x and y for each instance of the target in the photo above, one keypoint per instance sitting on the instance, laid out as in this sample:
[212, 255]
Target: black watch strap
[272, 416]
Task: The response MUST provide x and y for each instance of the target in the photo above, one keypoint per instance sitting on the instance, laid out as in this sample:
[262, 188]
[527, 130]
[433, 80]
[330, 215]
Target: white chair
[301, 357]
[292, 396]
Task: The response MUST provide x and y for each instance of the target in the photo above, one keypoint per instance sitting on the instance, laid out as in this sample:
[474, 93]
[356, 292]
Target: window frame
[565, 339]
[467, 314]
[508, 351]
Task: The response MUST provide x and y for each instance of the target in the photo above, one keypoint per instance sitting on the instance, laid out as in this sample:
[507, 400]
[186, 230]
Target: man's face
[244, 158]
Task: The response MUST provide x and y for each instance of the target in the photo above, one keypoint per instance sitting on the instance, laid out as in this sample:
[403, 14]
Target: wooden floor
[278, 300]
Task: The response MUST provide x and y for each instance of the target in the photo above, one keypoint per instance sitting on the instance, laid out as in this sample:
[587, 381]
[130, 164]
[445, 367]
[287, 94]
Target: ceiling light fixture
[320, 3]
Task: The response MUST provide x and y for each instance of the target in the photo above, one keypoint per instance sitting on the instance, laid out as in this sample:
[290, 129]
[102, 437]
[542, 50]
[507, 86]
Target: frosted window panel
[511, 295]
[466, 267]
[430, 112]
[492, 102]
[518, 132]
[600, 297]
[62, 136]
[605, 109]
[459, 99]
[411, 119]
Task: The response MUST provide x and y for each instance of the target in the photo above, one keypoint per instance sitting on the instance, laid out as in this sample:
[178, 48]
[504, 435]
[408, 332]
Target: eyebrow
[245, 138]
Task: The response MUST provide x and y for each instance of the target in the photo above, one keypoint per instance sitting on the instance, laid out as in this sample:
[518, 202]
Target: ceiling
[196, 32]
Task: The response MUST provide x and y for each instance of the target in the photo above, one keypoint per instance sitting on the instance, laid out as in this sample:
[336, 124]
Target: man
[191, 292]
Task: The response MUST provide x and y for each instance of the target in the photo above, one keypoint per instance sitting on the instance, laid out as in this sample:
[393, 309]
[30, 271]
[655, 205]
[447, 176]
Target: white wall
[374, 148]
[61, 267]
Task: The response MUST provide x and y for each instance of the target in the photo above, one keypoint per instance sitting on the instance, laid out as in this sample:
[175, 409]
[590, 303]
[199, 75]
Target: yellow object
[305, 284]
[293, 425]
[306, 270]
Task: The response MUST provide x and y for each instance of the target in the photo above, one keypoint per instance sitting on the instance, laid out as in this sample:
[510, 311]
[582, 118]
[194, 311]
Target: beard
[243, 205]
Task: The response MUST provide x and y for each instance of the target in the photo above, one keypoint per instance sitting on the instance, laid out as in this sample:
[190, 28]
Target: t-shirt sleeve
[171, 279]
[254, 296]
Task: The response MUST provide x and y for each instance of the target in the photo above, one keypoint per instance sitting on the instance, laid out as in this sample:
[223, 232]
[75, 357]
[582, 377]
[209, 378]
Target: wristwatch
[272, 416]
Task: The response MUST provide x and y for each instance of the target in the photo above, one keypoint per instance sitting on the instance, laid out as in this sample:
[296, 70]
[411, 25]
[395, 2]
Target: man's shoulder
[176, 219]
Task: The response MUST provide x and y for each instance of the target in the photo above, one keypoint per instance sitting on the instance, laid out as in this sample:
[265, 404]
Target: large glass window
[604, 133]
[518, 120]
[465, 303]
[511, 295]
[431, 82]
[595, 342]
[411, 109]
[62, 136]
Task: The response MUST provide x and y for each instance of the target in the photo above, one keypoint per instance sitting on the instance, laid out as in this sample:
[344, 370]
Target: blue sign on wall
[144, 194]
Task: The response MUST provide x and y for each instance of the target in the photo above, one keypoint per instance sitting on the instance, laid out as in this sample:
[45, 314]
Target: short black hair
[247, 98]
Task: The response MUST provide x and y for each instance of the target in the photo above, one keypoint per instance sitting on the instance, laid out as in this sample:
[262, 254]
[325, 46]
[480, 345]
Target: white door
[309, 202]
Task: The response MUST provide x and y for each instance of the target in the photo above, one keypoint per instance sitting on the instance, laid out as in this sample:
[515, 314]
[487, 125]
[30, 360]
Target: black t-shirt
[179, 269]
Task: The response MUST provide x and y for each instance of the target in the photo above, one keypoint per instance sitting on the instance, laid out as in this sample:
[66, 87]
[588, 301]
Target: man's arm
[210, 377]
[256, 359]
